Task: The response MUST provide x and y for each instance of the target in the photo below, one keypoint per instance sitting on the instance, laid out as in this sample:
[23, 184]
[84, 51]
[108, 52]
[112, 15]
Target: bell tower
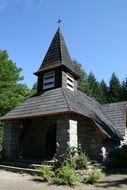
[57, 69]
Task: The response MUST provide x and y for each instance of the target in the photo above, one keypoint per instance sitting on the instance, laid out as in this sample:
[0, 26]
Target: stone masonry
[66, 135]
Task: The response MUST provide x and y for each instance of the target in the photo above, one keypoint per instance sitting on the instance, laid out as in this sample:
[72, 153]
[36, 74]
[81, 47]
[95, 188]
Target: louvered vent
[70, 82]
[49, 80]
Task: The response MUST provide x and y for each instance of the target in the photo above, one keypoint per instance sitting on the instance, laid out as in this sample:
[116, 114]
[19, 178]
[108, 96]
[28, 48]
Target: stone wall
[89, 139]
[11, 139]
[26, 141]
[66, 134]
[31, 141]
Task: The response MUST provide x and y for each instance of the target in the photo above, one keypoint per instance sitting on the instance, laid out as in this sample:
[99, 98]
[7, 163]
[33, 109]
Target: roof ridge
[89, 97]
[61, 57]
[68, 103]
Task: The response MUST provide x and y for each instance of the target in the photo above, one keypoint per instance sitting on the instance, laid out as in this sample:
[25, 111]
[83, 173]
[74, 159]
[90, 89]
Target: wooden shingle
[117, 114]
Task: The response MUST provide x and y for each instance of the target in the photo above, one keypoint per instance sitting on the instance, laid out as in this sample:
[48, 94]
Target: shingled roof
[61, 101]
[117, 114]
[57, 56]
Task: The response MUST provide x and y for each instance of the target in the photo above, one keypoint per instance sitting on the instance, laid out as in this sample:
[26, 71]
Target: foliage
[75, 158]
[100, 91]
[66, 175]
[82, 161]
[103, 92]
[72, 168]
[46, 172]
[82, 81]
[114, 89]
[93, 87]
[94, 176]
[118, 158]
[34, 88]
[11, 91]
[124, 90]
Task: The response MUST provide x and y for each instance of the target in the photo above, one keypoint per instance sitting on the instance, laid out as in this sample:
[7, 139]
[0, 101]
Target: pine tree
[103, 92]
[93, 87]
[114, 93]
[124, 90]
[82, 81]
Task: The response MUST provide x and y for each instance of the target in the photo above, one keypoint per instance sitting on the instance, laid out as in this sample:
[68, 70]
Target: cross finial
[59, 21]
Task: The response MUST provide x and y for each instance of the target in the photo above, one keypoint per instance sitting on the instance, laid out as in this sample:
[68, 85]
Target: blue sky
[95, 32]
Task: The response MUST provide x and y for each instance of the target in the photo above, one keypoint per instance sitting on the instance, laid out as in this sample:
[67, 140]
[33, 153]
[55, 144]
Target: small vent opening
[70, 82]
[49, 80]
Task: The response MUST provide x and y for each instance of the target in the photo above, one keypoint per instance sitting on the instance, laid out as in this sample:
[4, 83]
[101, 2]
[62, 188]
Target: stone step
[15, 164]
[19, 169]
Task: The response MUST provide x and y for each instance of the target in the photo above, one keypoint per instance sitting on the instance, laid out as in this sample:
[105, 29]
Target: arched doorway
[51, 141]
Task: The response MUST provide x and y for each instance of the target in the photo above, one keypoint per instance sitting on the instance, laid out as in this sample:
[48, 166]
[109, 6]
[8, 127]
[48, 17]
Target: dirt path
[15, 181]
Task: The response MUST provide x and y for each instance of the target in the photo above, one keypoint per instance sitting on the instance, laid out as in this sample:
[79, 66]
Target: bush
[118, 158]
[75, 158]
[94, 176]
[46, 172]
[82, 161]
[65, 170]
[66, 175]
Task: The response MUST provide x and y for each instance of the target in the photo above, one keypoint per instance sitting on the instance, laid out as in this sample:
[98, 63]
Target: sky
[95, 32]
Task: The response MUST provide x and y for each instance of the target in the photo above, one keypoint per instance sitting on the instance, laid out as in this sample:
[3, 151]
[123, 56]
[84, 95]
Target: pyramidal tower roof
[57, 55]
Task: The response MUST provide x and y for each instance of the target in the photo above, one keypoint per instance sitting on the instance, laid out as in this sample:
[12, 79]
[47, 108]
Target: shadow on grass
[113, 183]
[114, 178]
[37, 180]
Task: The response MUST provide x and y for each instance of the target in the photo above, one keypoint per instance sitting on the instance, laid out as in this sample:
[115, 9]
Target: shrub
[46, 172]
[75, 158]
[94, 176]
[66, 175]
[82, 161]
[118, 158]
[71, 152]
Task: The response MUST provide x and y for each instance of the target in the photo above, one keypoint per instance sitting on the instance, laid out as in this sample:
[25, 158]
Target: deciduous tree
[12, 92]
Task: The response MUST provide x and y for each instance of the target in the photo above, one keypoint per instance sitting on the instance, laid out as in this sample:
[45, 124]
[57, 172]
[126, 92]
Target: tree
[103, 92]
[82, 81]
[93, 87]
[124, 90]
[34, 88]
[12, 92]
[114, 93]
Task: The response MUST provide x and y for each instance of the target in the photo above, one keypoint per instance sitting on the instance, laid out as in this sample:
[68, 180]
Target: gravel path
[16, 181]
